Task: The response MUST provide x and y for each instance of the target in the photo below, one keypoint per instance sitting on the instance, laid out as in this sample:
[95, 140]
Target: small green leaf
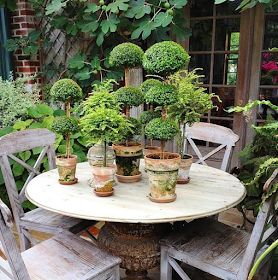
[92, 8]
[77, 61]
[25, 155]
[17, 169]
[55, 6]
[100, 39]
[5, 131]
[90, 27]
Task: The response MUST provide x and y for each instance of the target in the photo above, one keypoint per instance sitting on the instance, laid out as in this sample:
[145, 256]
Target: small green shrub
[136, 128]
[147, 116]
[160, 129]
[148, 84]
[126, 55]
[165, 58]
[161, 95]
[65, 125]
[129, 96]
[66, 90]
[15, 99]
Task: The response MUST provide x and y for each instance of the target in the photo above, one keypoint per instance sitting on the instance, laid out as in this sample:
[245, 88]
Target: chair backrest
[18, 269]
[265, 229]
[18, 142]
[212, 133]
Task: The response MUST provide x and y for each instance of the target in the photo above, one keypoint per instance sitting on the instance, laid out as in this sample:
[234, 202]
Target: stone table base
[136, 244]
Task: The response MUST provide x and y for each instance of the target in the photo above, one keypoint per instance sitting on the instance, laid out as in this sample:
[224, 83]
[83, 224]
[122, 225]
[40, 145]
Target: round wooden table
[134, 223]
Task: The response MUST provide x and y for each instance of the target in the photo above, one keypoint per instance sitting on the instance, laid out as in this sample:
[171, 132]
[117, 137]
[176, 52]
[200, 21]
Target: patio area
[138, 140]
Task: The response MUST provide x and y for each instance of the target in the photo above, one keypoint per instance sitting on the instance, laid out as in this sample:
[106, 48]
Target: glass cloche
[96, 152]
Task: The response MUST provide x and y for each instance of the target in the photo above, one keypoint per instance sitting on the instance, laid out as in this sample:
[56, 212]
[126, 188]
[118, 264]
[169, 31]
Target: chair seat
[207, 243]
[40, 219]
[68, 257]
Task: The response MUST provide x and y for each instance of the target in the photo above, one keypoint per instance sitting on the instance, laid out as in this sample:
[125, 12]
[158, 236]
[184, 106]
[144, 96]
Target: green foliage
[162, 95]
[129, 96]
[248, 4]
[193, 101]
[163, 130]
[147, 116]
[66, 90]
[106, 85]
[65, 125]
[15, 100]
[165, 58]
[126, 55]
[148, 84]
[136, 128]
[105, 125]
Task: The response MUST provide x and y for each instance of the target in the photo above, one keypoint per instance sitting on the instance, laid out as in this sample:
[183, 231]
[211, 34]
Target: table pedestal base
[136, 244]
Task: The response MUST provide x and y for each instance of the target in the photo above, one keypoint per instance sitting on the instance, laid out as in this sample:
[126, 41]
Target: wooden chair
[220, 250]
[63, 257]
[38, 219]
[213, 133]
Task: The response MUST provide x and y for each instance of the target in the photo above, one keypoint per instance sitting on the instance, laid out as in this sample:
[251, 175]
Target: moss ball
[165, 58]
[65, 125]
[146, 85]
[162, 95]
[129, 96]
[147, 116]
[163, 130]
[66, 90]
[126, 55]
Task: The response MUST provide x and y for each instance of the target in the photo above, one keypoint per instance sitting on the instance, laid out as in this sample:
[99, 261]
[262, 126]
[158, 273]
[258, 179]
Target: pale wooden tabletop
[209, 192]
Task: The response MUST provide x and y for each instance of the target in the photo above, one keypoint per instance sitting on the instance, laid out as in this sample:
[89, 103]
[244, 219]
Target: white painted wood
[63, 257]
[209, 192]
[212, 133]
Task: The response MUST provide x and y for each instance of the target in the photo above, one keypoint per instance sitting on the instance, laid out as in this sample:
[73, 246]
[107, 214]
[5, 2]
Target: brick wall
[22, 22]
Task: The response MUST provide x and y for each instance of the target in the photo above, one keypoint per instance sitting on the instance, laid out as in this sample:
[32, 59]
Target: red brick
[27, 25]
[26, 12]
[15, 26]
[31, 63]
[26, 69]
[18, 52]
[21, 32]
[18, 19]
[18, 63]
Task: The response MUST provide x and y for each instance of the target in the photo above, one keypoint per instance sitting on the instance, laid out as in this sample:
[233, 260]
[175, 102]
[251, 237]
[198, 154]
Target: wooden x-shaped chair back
[22, 141]
[212, 133]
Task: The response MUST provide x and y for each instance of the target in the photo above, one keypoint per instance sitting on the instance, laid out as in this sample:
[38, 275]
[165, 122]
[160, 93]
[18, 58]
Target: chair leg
[117, 273]
[165, 267]
[24, 241]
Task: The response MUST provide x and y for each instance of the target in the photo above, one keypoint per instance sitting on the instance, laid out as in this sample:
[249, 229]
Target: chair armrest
[6, 214]
[271, 180]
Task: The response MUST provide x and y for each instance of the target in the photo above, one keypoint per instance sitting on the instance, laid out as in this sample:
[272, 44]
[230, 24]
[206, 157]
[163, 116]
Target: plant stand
[136, 244]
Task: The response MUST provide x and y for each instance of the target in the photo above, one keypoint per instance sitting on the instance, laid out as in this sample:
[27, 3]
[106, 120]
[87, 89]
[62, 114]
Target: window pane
[201, 8]
[201, 61]
[271, 31]
[201, 37]
[227, 8]
[269, 68]
[227, 34]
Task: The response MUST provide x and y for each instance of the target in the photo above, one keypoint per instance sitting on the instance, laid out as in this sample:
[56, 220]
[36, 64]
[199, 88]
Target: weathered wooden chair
[65, 257]
[212, 133]
[39, 219]
[218, 249]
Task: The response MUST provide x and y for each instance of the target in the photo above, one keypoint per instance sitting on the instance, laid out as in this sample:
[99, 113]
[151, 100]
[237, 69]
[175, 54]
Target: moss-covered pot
[163, 175]
[67, 169]
[128, 161]
[103, 179]
[183, 175]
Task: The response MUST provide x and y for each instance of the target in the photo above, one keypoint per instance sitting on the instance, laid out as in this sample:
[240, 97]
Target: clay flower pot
[163, 175]
[67, 169]
[103, 180]
[128, 162]
[183, 175]
[151, 150]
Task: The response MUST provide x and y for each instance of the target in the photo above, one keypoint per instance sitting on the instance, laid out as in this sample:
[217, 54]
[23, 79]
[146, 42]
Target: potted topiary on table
[66, 91]
[193, 102]
[163, 59]
[128, 152]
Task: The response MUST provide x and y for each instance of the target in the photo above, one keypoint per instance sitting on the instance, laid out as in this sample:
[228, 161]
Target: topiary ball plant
[136, 128]
[126, 55]
[148, 84]
[147, 116]
[161, 95]
[66, 90]
[165, 58]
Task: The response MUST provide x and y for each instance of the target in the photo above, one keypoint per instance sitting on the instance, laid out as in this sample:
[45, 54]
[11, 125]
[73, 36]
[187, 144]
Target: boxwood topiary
[162, 95]
[147, 116]
[136, 128]
[66, 90]
[165, 58]
[161, 129]
[126, 55]
[65, 125]
[148, 84]
[129, 96]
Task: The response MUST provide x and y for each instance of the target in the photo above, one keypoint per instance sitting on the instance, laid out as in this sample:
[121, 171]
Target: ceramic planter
[183, 175]
[128, 162]
[103, 180]
[67, 169]
[163, 175]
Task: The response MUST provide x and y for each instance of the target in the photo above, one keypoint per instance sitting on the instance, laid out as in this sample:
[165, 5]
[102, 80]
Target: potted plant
[128, 56]
[192, 103]
[104, 125]
[66, 91]
[129, 152]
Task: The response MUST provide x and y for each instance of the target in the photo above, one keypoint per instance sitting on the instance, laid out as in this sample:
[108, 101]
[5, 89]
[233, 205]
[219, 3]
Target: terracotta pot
[67, 169]
[151, 150]
[163, 175]
[183, 175]
[128, 161]
[103, 179]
